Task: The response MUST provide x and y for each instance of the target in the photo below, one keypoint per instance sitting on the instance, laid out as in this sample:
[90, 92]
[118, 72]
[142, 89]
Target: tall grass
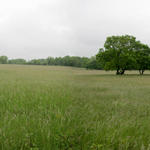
[63, 108]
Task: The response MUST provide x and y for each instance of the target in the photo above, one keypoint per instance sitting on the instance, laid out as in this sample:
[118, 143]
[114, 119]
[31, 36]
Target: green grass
[64, 108]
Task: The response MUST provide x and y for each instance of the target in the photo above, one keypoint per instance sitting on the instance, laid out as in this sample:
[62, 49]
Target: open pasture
[64, 108]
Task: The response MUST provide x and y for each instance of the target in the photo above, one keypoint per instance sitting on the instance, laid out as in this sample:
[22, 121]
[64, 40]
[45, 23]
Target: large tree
[118, 53]
[142, 56]
[3, 59]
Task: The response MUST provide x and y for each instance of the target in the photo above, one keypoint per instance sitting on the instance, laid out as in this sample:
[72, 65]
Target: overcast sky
[42, 28]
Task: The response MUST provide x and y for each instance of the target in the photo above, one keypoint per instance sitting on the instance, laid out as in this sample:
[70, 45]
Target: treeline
[119, 53]
[73, 61]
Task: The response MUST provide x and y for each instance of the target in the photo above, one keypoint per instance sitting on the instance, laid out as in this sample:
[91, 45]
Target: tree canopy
[123, 53]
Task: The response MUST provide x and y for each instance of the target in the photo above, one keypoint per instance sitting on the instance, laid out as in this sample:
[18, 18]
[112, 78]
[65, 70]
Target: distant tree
[66, 61]
[118, 53]
[34, 62]
[84, 61]
[38, 62]
[51, 61]
[93, 64]
[74, 61]
[3, 59]
[58, 61]
[17, 61]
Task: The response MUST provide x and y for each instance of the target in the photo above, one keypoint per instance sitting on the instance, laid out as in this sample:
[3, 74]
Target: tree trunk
[141, 72]
[120, 72]
[117, 73]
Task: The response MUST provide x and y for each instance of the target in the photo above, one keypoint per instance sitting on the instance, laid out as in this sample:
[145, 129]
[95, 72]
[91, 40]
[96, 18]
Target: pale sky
[42, 28]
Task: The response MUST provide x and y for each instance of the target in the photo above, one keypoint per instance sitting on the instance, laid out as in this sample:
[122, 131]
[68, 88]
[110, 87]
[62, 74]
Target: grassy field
[64, 108]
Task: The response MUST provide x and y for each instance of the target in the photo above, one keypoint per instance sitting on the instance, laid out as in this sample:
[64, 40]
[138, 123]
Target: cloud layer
[41, 28]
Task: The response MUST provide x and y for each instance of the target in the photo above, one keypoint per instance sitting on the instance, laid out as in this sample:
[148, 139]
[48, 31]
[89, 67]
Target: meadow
[64, 108]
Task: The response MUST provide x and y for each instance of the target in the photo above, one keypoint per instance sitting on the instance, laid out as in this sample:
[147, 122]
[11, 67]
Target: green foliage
[93, 64]
[73, 61]
[142, 57]
[123, 53]
[3, 59]
[17, 61]
[38, 62]
[50, 61]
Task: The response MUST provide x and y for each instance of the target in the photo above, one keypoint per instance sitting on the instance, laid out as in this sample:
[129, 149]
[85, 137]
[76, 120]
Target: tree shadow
[116, 76]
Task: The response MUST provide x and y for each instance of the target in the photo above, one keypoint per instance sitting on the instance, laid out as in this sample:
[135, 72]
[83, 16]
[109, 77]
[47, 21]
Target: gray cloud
[41, 28]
